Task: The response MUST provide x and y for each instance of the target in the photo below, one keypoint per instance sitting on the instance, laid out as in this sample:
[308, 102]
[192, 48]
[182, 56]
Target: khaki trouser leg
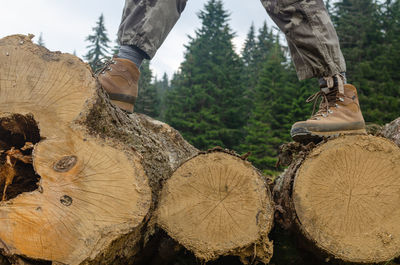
[146, 23]
[312, 39]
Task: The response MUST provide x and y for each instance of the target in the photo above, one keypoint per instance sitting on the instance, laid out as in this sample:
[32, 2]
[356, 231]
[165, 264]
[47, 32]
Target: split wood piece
[217, 204]
[92, 163]
[343, 198]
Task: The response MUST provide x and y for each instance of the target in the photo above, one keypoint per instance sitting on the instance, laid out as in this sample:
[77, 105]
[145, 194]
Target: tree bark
[392, 131]
[341, 198]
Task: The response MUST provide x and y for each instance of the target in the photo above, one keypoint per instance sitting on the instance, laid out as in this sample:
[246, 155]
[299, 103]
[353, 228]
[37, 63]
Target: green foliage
[369, 37]
[206, 102]
[99, 44]
[264, 45]
[40, 40]
[250, 62]
[275, 109]
[162, 87]
[248, 52]
[148, 100]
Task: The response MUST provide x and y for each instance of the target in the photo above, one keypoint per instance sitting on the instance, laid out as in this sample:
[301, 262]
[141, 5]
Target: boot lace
[104, 66]
[330, 97]
[328, 100]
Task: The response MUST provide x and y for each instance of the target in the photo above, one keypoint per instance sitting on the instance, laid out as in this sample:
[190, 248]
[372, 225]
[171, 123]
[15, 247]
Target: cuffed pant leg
[146, 23]
[310, 34]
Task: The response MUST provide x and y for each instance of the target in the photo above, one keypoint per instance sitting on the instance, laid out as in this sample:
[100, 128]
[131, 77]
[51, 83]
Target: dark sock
[323, 83]
[132, 53]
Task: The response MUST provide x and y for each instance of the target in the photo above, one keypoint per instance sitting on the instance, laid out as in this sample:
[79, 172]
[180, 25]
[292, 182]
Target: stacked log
[81, 180]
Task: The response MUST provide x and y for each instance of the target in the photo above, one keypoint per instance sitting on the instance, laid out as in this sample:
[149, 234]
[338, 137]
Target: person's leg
[146, 23]
[315, 52]
[311, 37]
[144, 26]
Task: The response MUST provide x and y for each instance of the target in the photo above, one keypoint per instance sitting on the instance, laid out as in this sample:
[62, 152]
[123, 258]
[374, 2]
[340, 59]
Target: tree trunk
[342, 196]
[76, 172]
[218, 204]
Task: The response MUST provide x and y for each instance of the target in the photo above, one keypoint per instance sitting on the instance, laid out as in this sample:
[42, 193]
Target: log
[217, 204]
[341, 198]
[78, 178]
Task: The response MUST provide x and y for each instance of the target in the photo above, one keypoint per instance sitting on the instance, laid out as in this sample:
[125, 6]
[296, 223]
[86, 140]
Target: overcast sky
[66, 23]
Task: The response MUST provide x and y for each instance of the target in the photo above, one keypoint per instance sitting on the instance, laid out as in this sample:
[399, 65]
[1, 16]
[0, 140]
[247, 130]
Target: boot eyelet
[336, 106]
[341, 99]
[330, 111]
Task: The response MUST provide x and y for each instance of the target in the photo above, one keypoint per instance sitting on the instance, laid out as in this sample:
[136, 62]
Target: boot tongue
[328, 98]
[331, 95]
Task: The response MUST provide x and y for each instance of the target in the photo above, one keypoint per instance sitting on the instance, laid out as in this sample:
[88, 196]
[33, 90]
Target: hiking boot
[339, 113]
[119, 78]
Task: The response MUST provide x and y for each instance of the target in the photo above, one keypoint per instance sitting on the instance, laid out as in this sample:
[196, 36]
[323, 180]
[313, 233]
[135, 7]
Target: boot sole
[303, 135]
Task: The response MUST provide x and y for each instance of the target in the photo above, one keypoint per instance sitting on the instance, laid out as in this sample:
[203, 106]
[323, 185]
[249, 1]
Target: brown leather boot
[339, 113]
[120, 78]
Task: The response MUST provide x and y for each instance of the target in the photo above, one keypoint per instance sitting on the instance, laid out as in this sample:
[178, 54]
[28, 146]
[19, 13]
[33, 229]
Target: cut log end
[67, 194]
[346, 196]
[217, 204]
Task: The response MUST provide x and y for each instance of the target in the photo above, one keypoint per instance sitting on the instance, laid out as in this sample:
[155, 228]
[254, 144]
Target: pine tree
[272, 115]
[250, 62]
[249, 48]
[162, 87]
[115, 48]
[365, 39]
[264, 45]
[40, 40]
[254, 54]
[148, 101]
[206, 102]
[358, 26]
[99, 44]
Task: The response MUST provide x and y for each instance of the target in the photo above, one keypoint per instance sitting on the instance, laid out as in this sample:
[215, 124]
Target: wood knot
[66, 200]
[65, 164]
